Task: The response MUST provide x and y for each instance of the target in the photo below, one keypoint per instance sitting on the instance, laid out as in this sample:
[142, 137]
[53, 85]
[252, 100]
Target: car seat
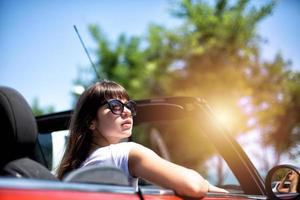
[96, 174]
[18, 132]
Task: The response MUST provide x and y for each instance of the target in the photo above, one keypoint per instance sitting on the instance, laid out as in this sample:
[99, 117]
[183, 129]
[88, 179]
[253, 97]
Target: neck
[99, 140]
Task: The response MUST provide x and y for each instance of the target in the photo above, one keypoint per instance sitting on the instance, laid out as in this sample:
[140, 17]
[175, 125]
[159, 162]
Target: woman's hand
[213, 188]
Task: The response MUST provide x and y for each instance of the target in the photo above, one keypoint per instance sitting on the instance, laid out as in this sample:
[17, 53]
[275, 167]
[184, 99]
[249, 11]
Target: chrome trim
[247, 196]
[160, 191]
[156, 191]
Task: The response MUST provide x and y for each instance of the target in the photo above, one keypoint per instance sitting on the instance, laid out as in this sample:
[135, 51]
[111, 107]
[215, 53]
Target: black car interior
[18, 155]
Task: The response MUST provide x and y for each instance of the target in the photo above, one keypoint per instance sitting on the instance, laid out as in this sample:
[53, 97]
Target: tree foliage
[215, 54]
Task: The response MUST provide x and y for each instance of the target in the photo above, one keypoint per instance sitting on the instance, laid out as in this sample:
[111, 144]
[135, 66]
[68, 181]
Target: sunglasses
[117, 107]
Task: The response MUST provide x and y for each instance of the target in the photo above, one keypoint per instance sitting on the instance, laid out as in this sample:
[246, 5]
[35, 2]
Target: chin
[123, 133]
[127, 133]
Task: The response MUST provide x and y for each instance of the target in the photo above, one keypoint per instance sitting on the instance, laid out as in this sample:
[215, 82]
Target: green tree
[214, 54]
[123, 61]
[285, 132]
[222, 62]
[219, 49]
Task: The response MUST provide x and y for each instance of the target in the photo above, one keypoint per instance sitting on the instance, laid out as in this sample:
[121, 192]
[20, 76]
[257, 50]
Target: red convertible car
[174, 127]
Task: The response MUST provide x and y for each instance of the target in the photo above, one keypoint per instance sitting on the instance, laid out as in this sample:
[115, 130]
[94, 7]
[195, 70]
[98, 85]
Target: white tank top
[115, 155]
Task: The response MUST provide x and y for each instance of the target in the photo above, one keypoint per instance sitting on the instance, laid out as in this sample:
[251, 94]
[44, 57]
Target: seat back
[98, 175]
[18, 132]
[18, 129]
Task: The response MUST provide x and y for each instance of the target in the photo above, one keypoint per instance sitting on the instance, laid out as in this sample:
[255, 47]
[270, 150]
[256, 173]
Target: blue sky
[40, 53]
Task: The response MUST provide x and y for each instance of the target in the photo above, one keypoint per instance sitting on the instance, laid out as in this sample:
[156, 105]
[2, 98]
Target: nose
[126, 113]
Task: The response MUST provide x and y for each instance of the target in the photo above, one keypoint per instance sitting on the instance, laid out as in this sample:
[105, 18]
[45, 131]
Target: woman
[292, 177]
[103, 117]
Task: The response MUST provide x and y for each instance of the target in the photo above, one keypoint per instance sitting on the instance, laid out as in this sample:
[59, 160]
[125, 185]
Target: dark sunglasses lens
[116, 107]
[131, 105]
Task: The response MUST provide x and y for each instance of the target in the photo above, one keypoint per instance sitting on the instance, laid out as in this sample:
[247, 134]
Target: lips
[126, 124]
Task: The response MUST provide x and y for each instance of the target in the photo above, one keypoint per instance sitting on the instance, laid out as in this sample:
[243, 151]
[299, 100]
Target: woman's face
[293, 176]
[111, 126]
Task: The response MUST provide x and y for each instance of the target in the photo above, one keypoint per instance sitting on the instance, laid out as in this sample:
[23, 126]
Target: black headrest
[18, 129]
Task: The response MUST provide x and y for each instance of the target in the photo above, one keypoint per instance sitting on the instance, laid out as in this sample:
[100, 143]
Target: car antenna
[87, 53]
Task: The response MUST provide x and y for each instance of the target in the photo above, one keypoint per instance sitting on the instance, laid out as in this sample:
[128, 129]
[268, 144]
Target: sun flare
[225, 117]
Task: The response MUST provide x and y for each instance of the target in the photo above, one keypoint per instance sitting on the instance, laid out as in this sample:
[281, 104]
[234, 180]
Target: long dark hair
[80, 139]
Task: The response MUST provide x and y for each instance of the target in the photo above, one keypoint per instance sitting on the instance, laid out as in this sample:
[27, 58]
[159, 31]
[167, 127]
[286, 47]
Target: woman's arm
[146, 164]
[280, 187]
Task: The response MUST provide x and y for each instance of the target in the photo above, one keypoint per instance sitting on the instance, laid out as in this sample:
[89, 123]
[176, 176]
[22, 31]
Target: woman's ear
[92, 125]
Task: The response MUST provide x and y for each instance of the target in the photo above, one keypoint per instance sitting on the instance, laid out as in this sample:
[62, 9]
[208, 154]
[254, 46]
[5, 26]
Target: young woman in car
[104, 116]
[292, 178]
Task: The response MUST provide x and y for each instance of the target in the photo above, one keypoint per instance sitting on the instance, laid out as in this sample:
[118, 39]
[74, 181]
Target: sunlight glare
[226, 117]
